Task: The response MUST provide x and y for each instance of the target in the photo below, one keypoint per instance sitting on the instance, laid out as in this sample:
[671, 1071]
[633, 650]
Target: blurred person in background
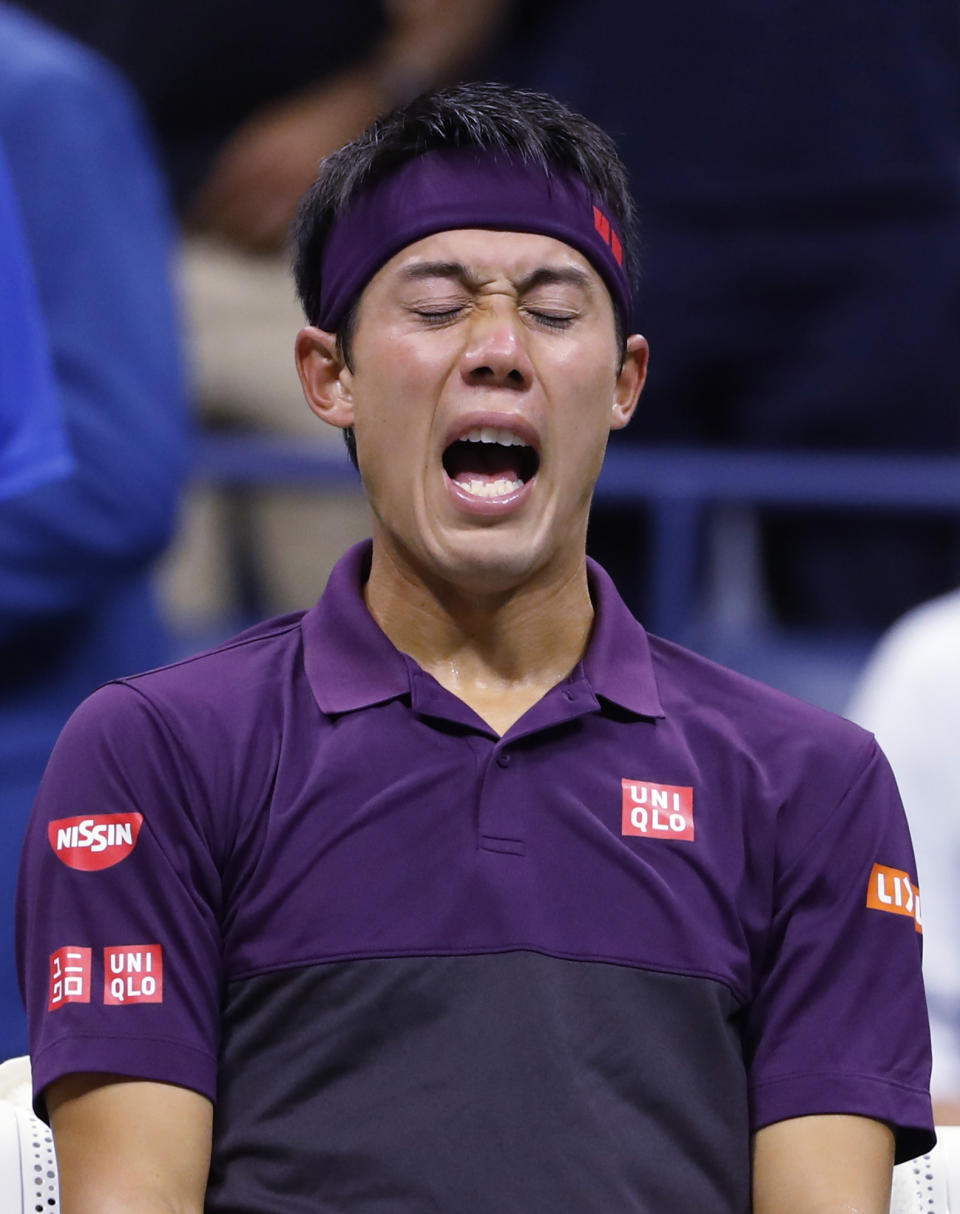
[909, 696]
[33, 442]
[76, 601]
[243, 110]
[798, 174]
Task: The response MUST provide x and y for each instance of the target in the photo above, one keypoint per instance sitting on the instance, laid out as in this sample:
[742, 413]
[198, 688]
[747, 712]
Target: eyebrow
[543, 276]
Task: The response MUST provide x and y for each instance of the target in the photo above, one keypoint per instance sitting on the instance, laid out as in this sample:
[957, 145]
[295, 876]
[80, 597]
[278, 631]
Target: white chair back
[28, 1165]
[930, 1184]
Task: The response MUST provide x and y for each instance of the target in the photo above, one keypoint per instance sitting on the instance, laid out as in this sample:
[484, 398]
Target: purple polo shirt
[421, 967]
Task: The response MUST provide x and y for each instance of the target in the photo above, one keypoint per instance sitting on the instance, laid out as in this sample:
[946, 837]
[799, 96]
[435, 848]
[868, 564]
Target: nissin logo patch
[657, 811]
[91, 844]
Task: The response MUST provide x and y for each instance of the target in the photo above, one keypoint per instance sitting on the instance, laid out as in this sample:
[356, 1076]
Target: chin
[498, 569]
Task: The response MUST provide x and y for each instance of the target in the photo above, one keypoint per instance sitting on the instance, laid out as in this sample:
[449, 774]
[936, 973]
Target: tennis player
[459, 892]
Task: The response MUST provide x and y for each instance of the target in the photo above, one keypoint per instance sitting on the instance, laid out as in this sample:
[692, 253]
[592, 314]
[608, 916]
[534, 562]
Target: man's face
[486, 379]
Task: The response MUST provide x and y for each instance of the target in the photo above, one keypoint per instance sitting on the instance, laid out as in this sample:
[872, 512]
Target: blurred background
[790, 489]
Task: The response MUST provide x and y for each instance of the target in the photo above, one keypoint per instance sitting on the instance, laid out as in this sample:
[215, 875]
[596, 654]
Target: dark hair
[486, 115]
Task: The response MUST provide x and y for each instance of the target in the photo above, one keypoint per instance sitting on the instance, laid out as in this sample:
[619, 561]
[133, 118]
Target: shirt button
[503, 759]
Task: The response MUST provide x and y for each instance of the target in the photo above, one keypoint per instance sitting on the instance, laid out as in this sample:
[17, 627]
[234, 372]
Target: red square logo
[657, 811]
[601, 223]
[69, 976]
[133, 974]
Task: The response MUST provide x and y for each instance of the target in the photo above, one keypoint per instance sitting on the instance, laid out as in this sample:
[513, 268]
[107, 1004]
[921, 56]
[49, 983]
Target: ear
[324, 376]
[630, 381]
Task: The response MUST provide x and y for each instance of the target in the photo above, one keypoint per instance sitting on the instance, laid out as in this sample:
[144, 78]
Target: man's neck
[498, 653]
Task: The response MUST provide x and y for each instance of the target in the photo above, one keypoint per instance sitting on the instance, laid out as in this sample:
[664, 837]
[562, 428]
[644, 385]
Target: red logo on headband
[604, 227]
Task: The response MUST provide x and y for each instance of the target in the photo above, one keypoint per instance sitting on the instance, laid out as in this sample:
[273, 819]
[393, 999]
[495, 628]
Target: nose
[495, 353]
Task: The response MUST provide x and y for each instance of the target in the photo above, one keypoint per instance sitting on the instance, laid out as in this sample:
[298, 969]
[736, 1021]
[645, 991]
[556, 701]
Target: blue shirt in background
[33, 443]
[76, 602]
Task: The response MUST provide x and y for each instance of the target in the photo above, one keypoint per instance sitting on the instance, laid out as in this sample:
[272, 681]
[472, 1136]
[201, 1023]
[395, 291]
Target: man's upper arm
[119, 927]
[130, 1146]
[829, 1164]
[837, 1021]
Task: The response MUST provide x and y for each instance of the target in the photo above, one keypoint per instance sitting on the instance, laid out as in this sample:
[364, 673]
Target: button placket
[500, 831]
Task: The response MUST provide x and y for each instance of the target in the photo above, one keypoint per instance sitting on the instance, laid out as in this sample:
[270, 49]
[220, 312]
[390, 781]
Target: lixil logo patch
[94, 843]
[657, 811]
[891, 890]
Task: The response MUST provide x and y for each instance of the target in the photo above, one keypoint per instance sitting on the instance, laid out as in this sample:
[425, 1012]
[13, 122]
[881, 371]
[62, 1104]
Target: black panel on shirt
[488, 1084]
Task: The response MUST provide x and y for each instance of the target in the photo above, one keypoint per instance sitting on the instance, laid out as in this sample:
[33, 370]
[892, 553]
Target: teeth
[493, 434]
[499, 488]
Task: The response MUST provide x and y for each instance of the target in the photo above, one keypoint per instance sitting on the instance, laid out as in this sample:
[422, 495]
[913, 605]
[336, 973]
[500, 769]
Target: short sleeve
[909, 696]
[118, 904]
[838, 1021]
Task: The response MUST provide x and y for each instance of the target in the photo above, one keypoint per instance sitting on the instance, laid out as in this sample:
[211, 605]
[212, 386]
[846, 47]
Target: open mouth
[490, 462]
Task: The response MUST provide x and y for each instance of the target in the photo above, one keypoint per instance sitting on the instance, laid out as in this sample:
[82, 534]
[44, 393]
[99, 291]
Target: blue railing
[676, 484]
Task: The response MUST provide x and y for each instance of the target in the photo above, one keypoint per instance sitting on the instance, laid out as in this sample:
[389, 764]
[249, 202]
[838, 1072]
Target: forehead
[487, 256]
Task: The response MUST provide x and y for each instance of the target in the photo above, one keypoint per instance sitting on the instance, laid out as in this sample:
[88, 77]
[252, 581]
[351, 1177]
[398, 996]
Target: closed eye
[438, 315]
[552, 320]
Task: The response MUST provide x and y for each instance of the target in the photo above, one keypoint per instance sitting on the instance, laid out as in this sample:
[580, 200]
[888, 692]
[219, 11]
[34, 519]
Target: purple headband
[466, 188]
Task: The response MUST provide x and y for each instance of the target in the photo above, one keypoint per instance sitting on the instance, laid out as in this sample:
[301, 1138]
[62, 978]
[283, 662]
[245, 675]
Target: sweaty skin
[476, 330]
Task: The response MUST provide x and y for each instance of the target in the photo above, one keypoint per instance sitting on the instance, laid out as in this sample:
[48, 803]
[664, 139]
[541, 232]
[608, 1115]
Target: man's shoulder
[748, 716]
[192, 746]
[232, 687]
[250, 644]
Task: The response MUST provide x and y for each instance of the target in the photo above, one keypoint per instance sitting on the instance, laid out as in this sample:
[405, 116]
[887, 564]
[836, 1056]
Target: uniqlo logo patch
[657, 811]
[69, 977]
[891, 890]
[96, 842]
[133, 974]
